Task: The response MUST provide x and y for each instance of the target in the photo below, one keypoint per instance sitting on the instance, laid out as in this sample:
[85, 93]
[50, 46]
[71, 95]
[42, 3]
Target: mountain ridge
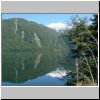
[18, 33]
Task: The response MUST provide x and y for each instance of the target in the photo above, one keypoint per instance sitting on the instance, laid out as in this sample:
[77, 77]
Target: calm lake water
[41, 68]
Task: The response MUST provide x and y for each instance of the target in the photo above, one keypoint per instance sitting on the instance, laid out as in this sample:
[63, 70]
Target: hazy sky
[45, 19]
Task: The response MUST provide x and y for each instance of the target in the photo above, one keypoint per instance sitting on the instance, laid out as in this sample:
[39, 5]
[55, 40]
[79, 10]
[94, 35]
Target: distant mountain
[59, 27]
[18, 33]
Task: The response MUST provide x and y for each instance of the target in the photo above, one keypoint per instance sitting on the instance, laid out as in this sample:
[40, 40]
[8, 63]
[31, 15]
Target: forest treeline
[84, 36]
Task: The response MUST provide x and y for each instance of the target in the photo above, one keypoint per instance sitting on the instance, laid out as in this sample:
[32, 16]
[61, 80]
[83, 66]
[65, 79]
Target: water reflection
[35, 68]
[37, 60]
[59, 73]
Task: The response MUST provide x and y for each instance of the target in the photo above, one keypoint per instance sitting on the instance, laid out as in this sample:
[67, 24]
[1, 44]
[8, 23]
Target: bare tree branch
[88, 66]
[92, 55]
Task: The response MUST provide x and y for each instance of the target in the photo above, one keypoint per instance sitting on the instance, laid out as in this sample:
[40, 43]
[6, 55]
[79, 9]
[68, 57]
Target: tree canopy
[85, 38]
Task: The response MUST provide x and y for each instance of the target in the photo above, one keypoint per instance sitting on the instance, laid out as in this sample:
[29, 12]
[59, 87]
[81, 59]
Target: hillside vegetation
[20, 34]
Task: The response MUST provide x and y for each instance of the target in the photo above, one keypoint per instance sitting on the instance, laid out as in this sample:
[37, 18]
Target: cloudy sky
[50, 20]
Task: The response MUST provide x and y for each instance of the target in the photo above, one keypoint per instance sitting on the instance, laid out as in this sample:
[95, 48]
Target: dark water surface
[42, 68]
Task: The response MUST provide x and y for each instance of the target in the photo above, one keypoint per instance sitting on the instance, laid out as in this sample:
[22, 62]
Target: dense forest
[84, 37]
[20, 34]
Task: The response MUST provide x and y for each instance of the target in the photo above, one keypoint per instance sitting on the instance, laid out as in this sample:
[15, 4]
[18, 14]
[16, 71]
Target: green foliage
[12, 39]
[84, 37]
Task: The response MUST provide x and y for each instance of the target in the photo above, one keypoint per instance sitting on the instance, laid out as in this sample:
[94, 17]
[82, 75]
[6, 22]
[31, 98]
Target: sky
[46, 19]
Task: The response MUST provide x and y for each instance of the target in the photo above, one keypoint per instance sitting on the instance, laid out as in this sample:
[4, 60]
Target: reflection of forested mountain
[20, 67]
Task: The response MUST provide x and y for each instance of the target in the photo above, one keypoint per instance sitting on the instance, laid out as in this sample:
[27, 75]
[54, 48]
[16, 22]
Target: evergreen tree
[84, 37]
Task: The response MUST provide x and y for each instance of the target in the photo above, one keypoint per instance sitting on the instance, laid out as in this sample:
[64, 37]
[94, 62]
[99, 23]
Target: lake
[38, 68]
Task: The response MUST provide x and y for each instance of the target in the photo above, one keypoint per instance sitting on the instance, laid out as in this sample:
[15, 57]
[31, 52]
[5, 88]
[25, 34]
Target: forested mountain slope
[18, 33]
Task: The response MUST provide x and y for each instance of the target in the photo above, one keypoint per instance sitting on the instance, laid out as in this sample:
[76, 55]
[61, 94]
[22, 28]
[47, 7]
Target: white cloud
[58, 26]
